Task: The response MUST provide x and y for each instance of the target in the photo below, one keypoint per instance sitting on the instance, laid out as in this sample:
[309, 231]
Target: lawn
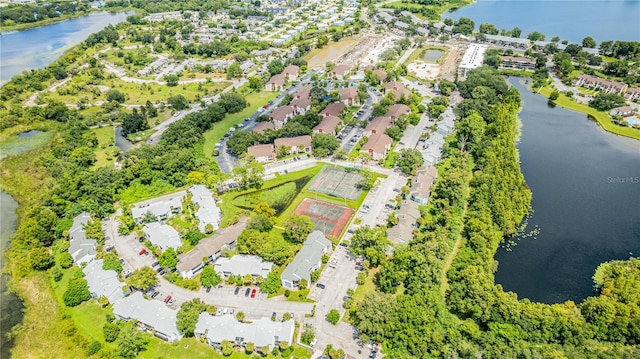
[603, 118]
[417, 53]
[106, 145]
[215, 134]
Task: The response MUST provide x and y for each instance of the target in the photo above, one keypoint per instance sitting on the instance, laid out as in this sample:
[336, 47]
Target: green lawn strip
[185, 348]
[139, 136]
[215, 134]
[391, 158]
[106, 145]
[603, 118]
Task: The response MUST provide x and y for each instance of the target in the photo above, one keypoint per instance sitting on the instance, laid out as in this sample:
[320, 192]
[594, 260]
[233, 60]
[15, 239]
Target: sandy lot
[424, 70]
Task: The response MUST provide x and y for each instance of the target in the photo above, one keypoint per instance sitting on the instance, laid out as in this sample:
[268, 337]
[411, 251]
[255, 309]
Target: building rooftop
[103, 283]
[304, 140]
[260, 332]
[151, 313]
[81, 248]
[162, 236]
[243, 265]
[308, 256]
[473, 57]
[207, 212]
[159, 206]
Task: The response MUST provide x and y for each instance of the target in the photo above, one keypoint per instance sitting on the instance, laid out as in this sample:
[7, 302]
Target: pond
[278, 197]
[24, 142]
[432, 55]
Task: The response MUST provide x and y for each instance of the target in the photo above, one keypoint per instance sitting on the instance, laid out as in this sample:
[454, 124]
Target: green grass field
[603, 118]
[106, 146]
[215, 134]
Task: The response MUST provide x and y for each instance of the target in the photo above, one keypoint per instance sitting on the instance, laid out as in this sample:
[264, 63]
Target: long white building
[472, 59]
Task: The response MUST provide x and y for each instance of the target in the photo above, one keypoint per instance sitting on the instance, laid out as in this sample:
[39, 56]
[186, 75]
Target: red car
[167, 299]
[253, 293]
[265, 106]
[142, 251]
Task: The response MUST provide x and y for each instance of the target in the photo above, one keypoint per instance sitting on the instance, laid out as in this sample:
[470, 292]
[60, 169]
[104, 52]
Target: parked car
[320, 285]
[236, 291]
[155, 294]
[172, 301]
[126, 273]
[142, 251]
[253, 293]
[247, 292]
[155, 264]
[109, 247]
[167, 299]
[208, 289]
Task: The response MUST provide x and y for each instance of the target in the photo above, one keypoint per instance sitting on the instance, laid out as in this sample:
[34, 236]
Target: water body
[122, 142]
[10, 305]
[586, 185]
[38, 47]
[570, 20]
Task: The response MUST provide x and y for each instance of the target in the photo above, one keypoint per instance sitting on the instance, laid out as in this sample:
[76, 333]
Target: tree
[187, 316]
[536, 36]
[370, 243]
[114, 95]
[589, 42]
[168, 259]
[297, 228]
[209, 277]
[516, 32]
[554, 95]
[227, 348]
[248, 172]
[56, 274]
[171, 80]
[234, 71]
[76, 293]
[606, 101]
[232, 102]
[133, 122]
[272, 284]
[303, 283]
[255, 83]
[488, 29]
[240, 316]
[193, 237]
[275, 67]
[324, 144]
[333, 316]
[264, 209]
[409, 161]
[249, 347]
[131, 341]
[142, 278]
[368, 179]
[178, 102]
[110, 331]
[41, 258]
[562, 61]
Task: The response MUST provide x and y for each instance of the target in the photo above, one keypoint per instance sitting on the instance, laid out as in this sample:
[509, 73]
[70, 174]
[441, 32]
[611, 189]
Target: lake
[571, 20]
[38, 47]
[586, 185]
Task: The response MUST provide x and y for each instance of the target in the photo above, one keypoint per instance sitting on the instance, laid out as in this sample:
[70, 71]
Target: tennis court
[337, 182]
[328, 218]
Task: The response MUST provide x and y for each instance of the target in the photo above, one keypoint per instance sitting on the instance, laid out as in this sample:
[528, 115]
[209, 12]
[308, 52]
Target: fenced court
[337, 182]
[328, 218]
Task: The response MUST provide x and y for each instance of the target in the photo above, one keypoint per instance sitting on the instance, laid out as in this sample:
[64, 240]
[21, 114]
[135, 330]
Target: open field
[215, 134]
[330, 219]
[106, 145]
[603, 119]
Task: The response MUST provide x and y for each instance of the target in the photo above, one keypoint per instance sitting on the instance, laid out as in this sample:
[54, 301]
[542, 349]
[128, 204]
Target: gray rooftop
[243, 265]
[103, 283]
[260, 332]
[208, 212]
[501, 38]
[159, 206]
[151, 313]
[81, 248]
[162, 236]
[307, 258]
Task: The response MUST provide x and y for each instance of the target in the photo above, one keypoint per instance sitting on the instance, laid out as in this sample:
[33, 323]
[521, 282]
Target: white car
[171, 302]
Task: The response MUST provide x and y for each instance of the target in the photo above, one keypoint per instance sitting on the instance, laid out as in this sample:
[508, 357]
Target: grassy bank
[602, 118]
[437, 10]
[417, 54]
[33, 25]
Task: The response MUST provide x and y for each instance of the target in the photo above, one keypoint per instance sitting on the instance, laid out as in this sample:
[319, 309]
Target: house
[395, 111]
[377, 146]
[633, 93]
[334, 109]
[151, 315]
[301, 106]
[624, 111]
[295, 144]
[597, 83]
[304, 92]
[518, 62]
[207, 211]
[349, 96]
[246, 65]
[382, 75]
[81, 248]
[340, 71]
[328, 125]
[162, 208]
[472, 59]
[407, 216]
[377, 125]
[276, 82]
[208, 249]
[162, 236]
[306, 261]
[281, 115]
[262, 153]
[260, 127]
[291, 72]
[262, 332]
[241, 265]
[401, 25]
[398, 90]
[421, 183]
[103, 283]
[508, 41]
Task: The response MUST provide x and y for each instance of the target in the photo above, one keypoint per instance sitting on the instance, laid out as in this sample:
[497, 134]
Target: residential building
[632, 93]
[397, 110]
[81, 248]
[276, 82]
[624, 111]
[349, 96]
[401, 25]
[397, 88]
[241, 265]
[421, 183]
[208, 249]
[151, 315]
[306, 261]
[245, 66]
[333, 109]
[103, 283]
[262, 153]
[291, 72]
[162, 208]
[597, 83]
[260, 127]
[162, 236]
[262, 332]
[340, 71]
[508, 41]
[281, 115]
[301, 105]
[377, 125]
[518, 62]
[407, 216]
[207, 211]
[382, 75]
[329, 124]
[304, 92]
[377, 146]
[472, 59]
[295, 144]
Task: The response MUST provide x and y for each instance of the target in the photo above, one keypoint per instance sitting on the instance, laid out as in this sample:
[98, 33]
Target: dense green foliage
[479, 199]
[606, 101]
[188, 314]
[76, 293]
[31, 13]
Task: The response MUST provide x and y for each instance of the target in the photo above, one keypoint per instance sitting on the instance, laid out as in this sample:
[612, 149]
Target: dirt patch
[448, 69]
[423, 70]
[332, 52]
